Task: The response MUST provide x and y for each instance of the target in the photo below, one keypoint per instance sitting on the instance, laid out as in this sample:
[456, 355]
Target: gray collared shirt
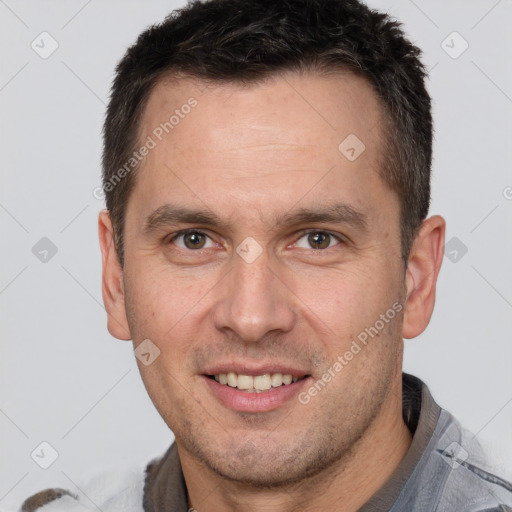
[444, 469]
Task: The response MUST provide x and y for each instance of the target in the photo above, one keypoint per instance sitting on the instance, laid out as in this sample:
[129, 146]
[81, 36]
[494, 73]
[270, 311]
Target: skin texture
[250, 155]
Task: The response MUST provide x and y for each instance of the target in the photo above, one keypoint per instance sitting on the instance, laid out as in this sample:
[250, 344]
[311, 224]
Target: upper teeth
[255, 383]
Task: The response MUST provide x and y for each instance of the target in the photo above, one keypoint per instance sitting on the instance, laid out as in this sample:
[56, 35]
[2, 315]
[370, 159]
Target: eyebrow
[169, 215]
[338, 213]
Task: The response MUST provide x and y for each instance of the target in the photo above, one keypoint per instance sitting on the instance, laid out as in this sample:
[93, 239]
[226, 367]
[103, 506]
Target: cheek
[159, 300]
[170, 310]
[162, 310]
[347, 300]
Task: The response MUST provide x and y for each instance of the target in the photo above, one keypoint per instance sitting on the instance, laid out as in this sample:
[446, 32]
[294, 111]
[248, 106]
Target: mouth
[258, 393]
[255, 383]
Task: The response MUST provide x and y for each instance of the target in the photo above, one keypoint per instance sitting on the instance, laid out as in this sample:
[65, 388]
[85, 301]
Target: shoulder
[109, 492]
[470, 477]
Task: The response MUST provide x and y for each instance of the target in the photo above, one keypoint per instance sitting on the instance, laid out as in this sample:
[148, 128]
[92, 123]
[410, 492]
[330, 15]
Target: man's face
[295, 252]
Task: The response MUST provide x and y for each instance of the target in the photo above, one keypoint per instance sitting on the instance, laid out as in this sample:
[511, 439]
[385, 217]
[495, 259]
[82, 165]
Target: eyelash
[306, 232]
[187, 232]
[300, 235]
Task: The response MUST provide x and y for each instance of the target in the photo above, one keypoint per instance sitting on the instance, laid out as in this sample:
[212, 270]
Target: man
[266, 247]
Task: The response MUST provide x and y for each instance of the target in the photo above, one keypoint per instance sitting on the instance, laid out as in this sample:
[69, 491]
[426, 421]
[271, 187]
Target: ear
[112, 280]
[421, 276]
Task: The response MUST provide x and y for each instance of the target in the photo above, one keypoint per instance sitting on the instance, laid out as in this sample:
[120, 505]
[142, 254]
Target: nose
[254, 301]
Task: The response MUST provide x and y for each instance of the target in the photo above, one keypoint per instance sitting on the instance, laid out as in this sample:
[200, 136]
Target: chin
[266, 475]
[269, 467]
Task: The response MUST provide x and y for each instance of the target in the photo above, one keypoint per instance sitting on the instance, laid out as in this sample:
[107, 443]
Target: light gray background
[65, 380]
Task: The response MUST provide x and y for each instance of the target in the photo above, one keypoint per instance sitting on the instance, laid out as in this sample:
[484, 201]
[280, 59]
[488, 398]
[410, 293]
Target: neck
[345, 486]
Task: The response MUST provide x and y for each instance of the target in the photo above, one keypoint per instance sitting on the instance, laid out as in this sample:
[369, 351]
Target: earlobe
[112, 280]
[421, 276]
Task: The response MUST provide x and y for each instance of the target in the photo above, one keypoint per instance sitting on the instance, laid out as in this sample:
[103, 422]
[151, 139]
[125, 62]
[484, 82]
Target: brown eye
[319, 240]
[192, 240]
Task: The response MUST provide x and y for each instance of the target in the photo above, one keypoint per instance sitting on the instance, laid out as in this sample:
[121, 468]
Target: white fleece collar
[110, 492]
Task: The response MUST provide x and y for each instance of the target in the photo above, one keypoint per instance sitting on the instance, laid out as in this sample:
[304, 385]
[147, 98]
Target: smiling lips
[255, 383]
[255, 387]
[239, 392]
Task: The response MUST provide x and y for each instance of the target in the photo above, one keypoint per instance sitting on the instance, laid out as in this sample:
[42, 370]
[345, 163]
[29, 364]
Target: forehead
[267, 145]
[326, 106]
